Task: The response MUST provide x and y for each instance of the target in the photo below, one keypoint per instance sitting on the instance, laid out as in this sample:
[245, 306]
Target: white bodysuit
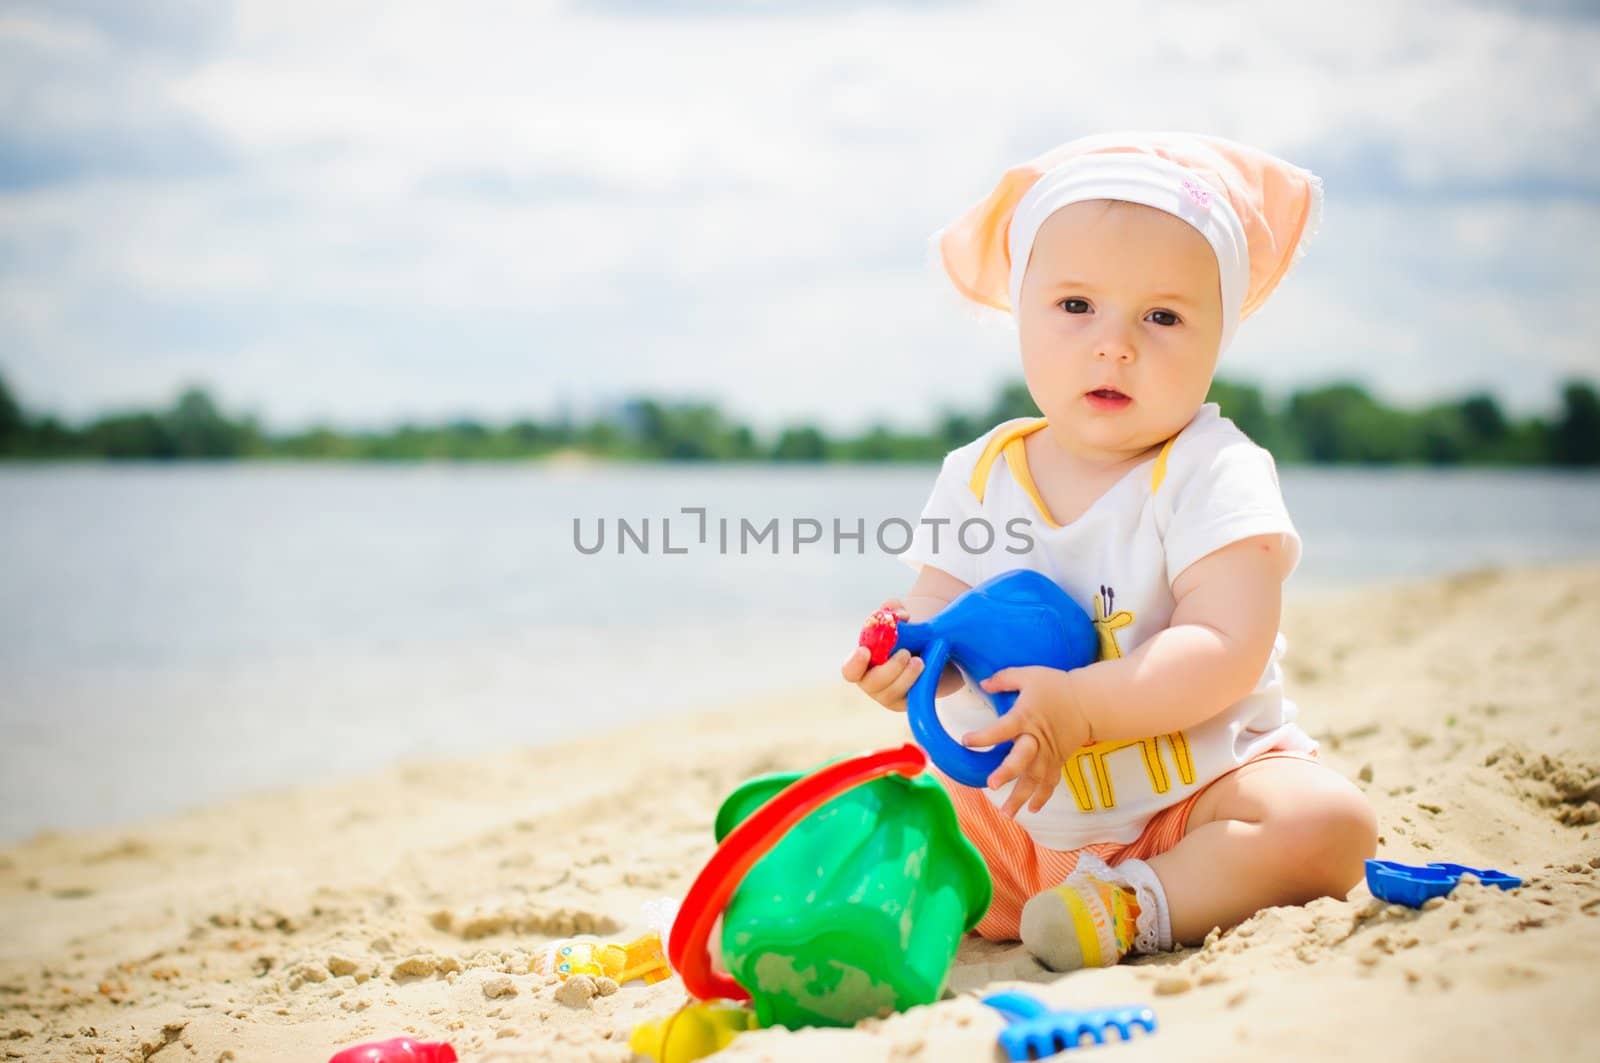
[1210, 486]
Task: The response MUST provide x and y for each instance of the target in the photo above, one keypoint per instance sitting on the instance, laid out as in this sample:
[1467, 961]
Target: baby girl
[1164, 789]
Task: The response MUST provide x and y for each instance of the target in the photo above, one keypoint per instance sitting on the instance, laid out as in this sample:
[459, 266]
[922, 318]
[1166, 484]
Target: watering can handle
[966, 766]
[749, 842]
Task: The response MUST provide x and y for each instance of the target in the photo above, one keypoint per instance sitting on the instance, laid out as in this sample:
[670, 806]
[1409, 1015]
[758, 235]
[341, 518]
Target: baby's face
[1118, 295]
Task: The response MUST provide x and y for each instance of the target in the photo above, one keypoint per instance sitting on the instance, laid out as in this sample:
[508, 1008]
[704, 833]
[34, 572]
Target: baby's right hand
[887, 683]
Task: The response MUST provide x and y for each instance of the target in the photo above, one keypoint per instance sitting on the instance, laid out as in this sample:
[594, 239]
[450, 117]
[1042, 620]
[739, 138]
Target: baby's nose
[1118, 350]
[1114, 342]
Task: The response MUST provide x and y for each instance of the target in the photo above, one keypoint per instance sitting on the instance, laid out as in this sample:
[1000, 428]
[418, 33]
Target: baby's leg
[1278, 831]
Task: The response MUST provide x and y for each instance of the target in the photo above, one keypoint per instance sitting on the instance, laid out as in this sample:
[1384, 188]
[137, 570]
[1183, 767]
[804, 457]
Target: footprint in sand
[1566, 786]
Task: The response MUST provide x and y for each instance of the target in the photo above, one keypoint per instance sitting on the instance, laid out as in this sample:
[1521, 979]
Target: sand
[286, 925]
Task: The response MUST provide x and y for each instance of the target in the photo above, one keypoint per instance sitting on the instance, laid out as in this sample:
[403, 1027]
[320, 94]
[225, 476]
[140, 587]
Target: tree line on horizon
[1337, 423]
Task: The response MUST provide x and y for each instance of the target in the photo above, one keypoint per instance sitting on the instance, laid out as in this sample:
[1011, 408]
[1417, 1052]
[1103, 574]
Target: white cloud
[48, 37]
[425, 214]
[1477, 295]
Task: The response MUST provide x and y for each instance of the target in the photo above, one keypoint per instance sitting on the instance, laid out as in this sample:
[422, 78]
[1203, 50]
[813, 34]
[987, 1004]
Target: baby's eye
[1074, 306]
[1164, 317]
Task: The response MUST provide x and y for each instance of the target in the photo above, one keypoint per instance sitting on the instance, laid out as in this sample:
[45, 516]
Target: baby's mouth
[1107, 400]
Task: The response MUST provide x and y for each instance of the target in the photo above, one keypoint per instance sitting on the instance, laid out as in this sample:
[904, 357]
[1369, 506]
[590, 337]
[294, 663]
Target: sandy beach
[285, 925]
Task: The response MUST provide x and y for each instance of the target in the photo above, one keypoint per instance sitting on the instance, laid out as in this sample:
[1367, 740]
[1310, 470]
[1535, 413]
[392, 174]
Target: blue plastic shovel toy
[1036, 1031]
[1414, 884]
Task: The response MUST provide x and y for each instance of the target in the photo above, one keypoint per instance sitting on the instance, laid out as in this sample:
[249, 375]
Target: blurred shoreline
[174, 633]
[1330, 424]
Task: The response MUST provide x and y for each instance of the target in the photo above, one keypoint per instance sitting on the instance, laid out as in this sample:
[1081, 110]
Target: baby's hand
[888, 682]
[1044, 725]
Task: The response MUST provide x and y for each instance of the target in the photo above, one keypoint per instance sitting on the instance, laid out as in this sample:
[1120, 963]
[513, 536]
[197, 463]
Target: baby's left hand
[1045, 726]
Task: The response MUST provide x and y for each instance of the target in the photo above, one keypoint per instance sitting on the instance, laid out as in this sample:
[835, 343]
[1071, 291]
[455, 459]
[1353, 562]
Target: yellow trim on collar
[1017, 460]
[1009, 443]
[1159, 473]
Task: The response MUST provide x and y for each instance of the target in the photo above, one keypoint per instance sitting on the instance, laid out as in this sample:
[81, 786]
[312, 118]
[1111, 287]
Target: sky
[372, 212]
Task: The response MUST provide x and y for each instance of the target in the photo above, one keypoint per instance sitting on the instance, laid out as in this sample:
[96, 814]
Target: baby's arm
[1210, 656]
[934, 589]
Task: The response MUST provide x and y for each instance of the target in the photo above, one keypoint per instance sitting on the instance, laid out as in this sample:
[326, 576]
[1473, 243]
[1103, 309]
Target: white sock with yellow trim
[1097, 916]
[1154, 932]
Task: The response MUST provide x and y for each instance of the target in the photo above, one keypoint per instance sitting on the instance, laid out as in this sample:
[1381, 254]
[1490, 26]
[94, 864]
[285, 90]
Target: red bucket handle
[750, 841]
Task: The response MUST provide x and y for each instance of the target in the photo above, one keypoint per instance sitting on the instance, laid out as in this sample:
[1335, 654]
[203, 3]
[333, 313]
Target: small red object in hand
[398, 1050]
[879, 635]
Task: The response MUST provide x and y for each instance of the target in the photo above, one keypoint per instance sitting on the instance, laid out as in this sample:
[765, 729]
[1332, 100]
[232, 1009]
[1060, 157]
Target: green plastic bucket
[858, 910]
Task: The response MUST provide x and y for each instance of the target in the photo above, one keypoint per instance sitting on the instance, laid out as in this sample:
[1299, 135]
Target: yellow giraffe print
[1095, 757]
[1106, 625]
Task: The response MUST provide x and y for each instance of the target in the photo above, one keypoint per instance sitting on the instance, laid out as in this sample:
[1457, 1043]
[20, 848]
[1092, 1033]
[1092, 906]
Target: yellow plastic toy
[641, 958]
[692, 1032]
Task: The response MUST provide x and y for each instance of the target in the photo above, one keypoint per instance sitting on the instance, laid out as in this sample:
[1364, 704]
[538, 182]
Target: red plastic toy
[398, 1050]
[879, 635]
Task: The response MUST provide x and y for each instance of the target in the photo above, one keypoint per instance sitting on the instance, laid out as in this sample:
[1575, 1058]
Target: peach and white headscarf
[1254, 209]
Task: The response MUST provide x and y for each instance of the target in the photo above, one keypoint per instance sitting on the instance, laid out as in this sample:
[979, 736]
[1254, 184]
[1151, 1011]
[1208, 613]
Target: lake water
[171, 634]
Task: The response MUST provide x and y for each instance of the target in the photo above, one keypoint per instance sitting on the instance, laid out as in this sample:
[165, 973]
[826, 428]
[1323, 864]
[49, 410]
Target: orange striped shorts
[1019, 867]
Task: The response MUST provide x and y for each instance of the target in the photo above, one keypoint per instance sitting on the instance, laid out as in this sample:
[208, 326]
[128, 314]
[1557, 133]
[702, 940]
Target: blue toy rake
[1036, 1031]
